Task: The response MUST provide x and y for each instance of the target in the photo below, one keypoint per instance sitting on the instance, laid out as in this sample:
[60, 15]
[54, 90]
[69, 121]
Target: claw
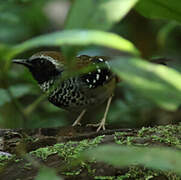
[76, 124]
[101, 126]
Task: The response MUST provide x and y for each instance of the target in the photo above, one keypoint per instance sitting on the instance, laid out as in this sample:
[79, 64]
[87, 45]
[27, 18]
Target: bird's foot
[100, 125]
[76, 124]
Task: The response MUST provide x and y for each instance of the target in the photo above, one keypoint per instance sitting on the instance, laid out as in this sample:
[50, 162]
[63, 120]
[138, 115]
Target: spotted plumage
[101, 75]
[76, 93]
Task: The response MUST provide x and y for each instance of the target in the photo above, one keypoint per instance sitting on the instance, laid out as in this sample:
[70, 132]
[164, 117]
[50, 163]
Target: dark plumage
[76, 93]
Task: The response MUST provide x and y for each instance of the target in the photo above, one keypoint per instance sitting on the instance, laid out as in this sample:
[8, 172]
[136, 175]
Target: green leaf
[165, 32]
[4, 51]
[47, 174]
[77, 37]
[99, 14]
[4, 97]
[157, 82]
[17, 91]
[162, 9]
[120, 156]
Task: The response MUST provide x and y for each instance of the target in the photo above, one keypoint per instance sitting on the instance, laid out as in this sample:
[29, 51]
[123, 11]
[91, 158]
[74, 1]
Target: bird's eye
[38, 62]
[42, 61]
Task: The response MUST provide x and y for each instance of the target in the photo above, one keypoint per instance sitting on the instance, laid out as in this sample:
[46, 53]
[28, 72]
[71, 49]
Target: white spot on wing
[100, 59]
[107, 64]
[97, 76]
[51, 81]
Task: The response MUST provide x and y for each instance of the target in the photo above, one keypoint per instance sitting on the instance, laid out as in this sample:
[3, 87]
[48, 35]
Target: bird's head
[43, 65]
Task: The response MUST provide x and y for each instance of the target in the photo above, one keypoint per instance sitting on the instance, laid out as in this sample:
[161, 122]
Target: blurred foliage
[151, 79]
[169, 9]
[23, 20]
[18, 20]
[47, 174]
[155, 158]
[147, 95]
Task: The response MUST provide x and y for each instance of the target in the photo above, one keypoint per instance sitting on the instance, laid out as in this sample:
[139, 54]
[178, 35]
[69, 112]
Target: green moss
[69, 150]
[28, 166]
[163, 134]
[171, 176]
[136, 172]
[43, 153]
[4, 159]
[72, 173]
[17, 160]
[30, 139]
[133, 172]
[123, 138]
[168, 135]
[105, 177]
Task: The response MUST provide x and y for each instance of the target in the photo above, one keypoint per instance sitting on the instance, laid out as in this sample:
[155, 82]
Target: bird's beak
[22, 61]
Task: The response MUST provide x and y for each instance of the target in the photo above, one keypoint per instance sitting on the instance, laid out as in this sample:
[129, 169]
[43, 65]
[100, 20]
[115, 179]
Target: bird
[79, 91]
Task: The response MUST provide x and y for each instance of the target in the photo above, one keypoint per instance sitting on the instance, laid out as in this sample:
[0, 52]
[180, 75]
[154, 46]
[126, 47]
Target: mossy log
[59, 148]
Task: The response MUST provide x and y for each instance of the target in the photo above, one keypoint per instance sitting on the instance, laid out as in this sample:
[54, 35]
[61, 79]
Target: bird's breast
[73, 94]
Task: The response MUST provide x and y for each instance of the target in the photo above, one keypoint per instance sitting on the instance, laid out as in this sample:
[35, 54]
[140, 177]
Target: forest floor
[24, 152]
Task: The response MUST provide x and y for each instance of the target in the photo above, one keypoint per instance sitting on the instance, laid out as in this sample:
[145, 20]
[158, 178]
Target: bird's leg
[103, 121]
[77, 121]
